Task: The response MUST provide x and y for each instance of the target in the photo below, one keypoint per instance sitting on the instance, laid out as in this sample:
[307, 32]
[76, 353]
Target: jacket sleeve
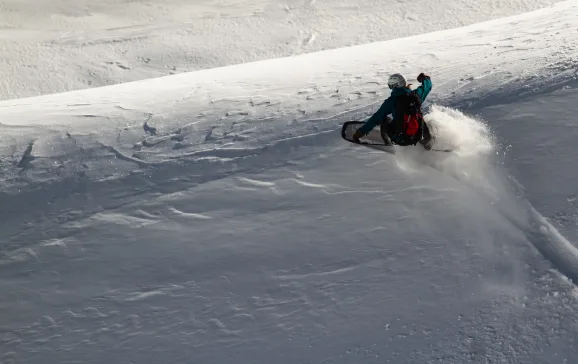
[385, 109]
[423, 90]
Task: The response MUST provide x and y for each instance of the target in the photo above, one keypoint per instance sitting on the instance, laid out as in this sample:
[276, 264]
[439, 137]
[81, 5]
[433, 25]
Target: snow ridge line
[282, 144]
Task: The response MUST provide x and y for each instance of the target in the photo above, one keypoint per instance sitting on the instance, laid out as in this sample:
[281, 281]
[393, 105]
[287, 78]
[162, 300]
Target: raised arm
[426, 85]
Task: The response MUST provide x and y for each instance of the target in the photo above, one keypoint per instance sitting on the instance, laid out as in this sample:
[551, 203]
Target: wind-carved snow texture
[59, 46]
[218, 216]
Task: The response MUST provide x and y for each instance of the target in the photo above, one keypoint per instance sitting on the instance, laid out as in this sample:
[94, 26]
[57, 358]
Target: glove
[422, 76]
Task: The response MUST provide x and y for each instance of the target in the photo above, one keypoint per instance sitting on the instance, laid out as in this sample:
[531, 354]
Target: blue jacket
[388, 106]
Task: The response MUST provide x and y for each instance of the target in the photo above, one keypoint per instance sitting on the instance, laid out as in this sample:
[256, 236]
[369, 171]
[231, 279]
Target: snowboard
[373, 139]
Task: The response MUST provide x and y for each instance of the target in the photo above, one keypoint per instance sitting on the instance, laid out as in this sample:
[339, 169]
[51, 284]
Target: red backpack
[410, 124]
[409, 115]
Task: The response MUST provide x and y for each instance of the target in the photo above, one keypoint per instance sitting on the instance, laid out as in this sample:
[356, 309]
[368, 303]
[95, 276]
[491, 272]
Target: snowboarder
[406, 126]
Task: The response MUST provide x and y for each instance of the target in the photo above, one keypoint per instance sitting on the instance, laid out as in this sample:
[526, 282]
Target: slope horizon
[57, 46]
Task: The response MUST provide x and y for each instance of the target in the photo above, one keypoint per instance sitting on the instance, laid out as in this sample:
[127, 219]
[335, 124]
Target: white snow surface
[53, 46]
[247, 231]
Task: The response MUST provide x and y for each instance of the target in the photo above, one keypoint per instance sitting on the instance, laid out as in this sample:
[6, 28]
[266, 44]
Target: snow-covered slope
[62, 45]
[246, 230]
